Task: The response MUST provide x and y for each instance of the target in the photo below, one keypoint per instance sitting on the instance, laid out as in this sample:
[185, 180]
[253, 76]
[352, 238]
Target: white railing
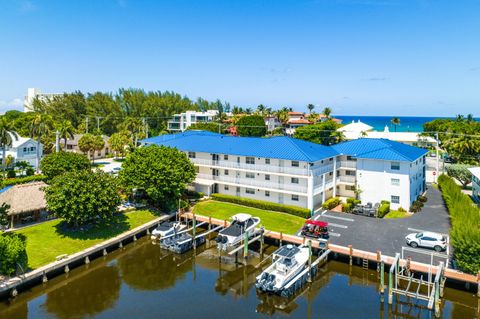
[346, 179]
[319, 170]
[251, 167]
[319, 188]
[346, 164]
[242, 181]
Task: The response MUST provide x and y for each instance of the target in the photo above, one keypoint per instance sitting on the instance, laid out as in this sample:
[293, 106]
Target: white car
[427, 240]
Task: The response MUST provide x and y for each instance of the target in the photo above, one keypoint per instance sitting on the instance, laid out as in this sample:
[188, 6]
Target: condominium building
[33, 93]
[475, 183]
[180, 122]
[290, 171]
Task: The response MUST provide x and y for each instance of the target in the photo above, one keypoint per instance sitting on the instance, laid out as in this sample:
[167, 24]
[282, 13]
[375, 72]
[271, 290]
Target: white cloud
[15, 104]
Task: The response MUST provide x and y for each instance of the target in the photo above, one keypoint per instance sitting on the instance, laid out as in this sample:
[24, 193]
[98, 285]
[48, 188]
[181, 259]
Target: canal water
[144, 281]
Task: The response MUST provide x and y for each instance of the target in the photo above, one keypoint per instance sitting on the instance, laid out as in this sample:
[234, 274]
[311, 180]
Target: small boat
[167, 229]
[180, 243]
[288, 262]
[235, 233]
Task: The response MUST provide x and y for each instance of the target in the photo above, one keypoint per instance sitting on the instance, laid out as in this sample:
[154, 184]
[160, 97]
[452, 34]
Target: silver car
[427, 240]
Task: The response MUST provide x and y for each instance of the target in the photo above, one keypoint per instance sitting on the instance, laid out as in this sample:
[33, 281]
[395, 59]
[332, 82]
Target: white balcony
[251, 167]
[245, 182]
[319, 170]
[319, 188]
[346, 164]
[348, 179]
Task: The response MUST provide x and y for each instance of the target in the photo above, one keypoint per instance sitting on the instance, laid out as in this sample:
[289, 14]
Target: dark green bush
[384, 209]
[422, 199]
[331, 203]
[193, 194]
[347, 207]
[465, 231]
[416, 206]
[30, 171]
[58, 163]
[11, 173]
[13, 252]
[401, 209]
[353, 201]
[292, 210]
[23, 180]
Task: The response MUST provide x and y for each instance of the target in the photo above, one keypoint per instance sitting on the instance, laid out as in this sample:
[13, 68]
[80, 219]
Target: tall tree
[66, 130]
[56, 164]
[327, 111]
[310, 108]
[252, 125]
[322, 133]
[119, 142]
[7, 136]
[90, 143]
[163, 181]
[395, 122]
[40, 125]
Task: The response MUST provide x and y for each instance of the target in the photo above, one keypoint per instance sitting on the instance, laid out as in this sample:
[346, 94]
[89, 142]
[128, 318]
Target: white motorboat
[288, 262]
[167, 229]
[235, 233]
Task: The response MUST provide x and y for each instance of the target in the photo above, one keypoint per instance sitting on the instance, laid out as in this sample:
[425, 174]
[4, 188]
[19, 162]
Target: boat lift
[401, 281]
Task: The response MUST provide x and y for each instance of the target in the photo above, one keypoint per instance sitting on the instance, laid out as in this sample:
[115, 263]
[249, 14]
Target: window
[395, 166]
[225, 187]
[395, 181]
[267, 193]
[191, 154]
[395, 199]
[225, 157]
[350, 188]
[267, 161]
[250, 175]
[250, 160]
[32, 149]
[295, 198]
[226, 172]
[267, 177]
[295, 164]
[249, 191]
[351, 173]
[294, 180]
[24, 149]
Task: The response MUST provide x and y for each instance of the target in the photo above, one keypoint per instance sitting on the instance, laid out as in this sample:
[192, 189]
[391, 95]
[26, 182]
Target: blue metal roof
[378, 148]
[280, 147]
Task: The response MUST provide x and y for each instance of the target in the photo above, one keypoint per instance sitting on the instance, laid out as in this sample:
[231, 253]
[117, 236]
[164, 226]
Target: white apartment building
[180, 122]
[475, 183]
[24, 149]
[295, 172]
[33, 93]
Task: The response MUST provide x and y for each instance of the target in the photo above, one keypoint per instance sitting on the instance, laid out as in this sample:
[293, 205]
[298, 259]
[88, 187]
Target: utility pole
[438, 160]
[86, 124]
[57, 142]
[98, 122]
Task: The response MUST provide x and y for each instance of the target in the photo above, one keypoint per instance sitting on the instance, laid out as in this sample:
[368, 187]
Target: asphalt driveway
[388, 235]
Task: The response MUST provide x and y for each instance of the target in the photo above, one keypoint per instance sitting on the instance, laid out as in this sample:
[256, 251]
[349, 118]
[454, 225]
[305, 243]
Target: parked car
[427, 240]
[449, 160]
[367, 210]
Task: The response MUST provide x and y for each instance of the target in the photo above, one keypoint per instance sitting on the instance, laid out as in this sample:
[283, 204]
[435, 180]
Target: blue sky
[360, 57]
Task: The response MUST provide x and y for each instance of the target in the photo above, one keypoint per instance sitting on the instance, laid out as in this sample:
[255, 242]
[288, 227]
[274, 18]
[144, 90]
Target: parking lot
[388, 235]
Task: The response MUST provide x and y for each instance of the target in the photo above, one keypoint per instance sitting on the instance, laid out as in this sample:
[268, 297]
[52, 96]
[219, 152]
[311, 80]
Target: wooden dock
[41, 274]
[375, 257]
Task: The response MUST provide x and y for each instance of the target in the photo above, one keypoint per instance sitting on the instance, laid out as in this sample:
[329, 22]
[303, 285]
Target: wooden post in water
[350, 254]
[309, 260]
[209, 222]
[436, 303]
[382, 280]
[245, 247]
[379, 259]
[281, 239]
[194, 231]
[262, 240]
[390, 287]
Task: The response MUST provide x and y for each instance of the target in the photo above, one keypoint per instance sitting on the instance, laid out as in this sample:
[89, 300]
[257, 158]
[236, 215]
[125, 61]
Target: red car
[316, 229]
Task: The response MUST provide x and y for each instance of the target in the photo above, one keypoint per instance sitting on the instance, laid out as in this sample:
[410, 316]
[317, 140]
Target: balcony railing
[346, 164]
[319, 188]
[242, 181]
[346, 179]
[251, 167]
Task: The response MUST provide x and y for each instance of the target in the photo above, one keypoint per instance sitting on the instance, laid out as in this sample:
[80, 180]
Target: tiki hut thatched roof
[24, 198]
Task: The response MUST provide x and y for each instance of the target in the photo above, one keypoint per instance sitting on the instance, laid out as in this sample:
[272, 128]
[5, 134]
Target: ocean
[407, 123]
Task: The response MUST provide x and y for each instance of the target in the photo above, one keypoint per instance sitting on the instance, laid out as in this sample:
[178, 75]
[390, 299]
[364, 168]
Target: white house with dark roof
[295, 172]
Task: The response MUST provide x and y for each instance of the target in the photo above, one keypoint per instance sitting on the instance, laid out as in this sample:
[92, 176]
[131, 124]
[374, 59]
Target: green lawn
[397, 214]
[275, 221]
[47, 240]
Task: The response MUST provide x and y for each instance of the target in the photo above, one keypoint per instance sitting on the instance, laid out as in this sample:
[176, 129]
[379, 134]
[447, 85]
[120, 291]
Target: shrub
[422, 199]
[30, 171]
[385, 202]
[384, 209]
[11, 173]
[13, 252]
[347, 207]
[465, 231]
[402, 210]
[353, 201]
[24, 180]
[193, 194]
[292, 210]
[331, 203]
[55, 164]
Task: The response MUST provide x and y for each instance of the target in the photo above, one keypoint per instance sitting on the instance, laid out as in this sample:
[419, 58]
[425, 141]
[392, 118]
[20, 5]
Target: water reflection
[87, 295]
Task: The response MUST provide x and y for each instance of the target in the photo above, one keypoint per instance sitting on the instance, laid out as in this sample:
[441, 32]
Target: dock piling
[87, 260]
[245, 247]
[350, 254]
[66, 269]
[309, 278]
[44, 277]
[120, 244]
[281, 239]
[104, 251]
[379, 259]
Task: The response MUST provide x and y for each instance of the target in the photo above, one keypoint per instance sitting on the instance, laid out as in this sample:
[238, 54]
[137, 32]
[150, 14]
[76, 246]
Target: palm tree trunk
[38, 154]
[65, 144]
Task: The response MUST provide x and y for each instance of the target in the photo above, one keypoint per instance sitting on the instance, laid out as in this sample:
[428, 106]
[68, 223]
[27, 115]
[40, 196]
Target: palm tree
[470, 118]
[40, 125]
[395, 121]
[66, 131]
[7, 136]
[327, 111]
[310, 108]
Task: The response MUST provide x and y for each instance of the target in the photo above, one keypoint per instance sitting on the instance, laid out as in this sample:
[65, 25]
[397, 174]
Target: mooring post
[148, 231]
[245, 247]
[379, 259]
[382, 278]
[437, 299]
[281, 239]
[14, 292]
[309, 260]
[350, 253]
[134, 237]
[262, 239]
[44, 277]
[407, 265]
[66, 269]
[390, 287]
[104, 251]
[224, 223]
[87, 260]
[194, 231]
[120, 244]
[209, 222]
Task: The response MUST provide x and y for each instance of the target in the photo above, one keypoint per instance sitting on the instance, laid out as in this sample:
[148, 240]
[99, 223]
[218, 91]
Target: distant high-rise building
[33, 93]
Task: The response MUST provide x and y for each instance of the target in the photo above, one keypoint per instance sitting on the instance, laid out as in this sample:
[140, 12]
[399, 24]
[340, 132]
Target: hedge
[331, 203]
[384, 209]
[465, 219]
[13, 252]
[22, 180]
[292, 210]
